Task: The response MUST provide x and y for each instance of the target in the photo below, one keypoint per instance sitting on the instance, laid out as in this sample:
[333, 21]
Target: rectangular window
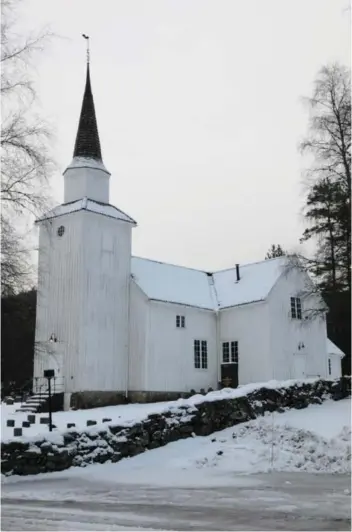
[230, 352]
[180, 322]
[296, 308]
[234, 352]
[197, 354]
[329, 365]
[204, 355]
[200, 354]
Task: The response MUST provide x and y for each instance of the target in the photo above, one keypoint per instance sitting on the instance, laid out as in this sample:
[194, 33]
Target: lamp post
[49, 374]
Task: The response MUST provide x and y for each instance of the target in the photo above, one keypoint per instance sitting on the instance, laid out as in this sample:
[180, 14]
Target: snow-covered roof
[85, 204]
[333, 349]
[175, 284]
[256, 281]
[186, 286]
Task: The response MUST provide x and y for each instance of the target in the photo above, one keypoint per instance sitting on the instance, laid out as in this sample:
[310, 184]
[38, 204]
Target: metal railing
[40, 385]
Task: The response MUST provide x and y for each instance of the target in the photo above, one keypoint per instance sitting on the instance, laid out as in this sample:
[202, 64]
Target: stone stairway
[34, 403]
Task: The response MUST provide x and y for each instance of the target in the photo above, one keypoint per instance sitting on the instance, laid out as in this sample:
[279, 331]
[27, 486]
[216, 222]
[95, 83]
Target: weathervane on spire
[87, 39]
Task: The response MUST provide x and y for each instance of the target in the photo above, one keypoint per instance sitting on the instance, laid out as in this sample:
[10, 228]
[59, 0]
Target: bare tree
[26, 162]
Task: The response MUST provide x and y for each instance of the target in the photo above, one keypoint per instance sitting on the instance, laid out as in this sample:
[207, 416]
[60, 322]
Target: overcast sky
[199, 112]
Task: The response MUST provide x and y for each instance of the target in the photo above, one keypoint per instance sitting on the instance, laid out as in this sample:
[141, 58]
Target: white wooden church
[116, 327]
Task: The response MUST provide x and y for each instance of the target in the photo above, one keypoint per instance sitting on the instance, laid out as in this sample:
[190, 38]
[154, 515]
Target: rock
[91, 422]
[106, 419]
[219, 453]
[70, 425]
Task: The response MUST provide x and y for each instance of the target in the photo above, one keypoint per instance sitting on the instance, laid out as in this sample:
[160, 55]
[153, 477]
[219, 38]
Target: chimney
[237, 273]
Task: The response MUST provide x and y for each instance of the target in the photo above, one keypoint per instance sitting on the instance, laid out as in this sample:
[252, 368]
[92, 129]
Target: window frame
[230, 352]
[296, 308]
[200, 354]
[180, 321]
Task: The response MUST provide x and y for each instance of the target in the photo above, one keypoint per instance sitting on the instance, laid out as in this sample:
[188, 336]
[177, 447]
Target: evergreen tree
[328, 205]
[275, 251]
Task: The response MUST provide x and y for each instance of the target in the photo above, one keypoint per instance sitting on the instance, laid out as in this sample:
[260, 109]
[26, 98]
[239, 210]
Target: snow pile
[261, 446]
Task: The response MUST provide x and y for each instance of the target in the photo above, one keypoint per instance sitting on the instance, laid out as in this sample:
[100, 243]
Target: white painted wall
[138, 338]
[59, 280]
[170, 352]
[249, 325]
[84, 299]
[92, 183]
[287, 333]
[336, 369]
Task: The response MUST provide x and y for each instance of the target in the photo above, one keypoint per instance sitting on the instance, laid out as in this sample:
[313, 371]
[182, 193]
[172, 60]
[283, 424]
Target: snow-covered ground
[122, 414]
[259, 475]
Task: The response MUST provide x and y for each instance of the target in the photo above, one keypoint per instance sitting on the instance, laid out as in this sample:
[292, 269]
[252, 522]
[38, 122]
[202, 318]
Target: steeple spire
[87, 141]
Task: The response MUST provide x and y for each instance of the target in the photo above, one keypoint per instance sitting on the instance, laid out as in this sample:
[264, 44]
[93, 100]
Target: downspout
[128, 336]
[218, 350]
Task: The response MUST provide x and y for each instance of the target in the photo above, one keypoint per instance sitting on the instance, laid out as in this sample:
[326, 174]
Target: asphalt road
[276, 501]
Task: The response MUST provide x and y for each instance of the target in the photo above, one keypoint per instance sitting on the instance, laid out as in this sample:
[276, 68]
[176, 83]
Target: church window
[230, 352]
[180, 322]
[296, 308]
[61, 230]
[329, 365]
[200, 354]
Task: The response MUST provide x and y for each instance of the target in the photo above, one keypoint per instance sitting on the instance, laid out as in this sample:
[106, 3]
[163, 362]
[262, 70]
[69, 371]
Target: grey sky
[199, 112]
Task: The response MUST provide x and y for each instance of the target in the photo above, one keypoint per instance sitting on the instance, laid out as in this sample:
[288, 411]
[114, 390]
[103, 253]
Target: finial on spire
[87, 39]
[87, 141]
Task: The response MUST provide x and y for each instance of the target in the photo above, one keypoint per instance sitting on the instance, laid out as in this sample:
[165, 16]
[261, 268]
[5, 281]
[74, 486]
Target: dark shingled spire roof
[87, 140]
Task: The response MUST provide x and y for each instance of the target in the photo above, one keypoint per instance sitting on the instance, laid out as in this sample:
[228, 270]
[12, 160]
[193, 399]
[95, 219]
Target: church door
[229, 365]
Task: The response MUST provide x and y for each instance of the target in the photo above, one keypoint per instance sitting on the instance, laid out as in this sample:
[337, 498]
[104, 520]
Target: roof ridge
[170, 264]
[249, 264]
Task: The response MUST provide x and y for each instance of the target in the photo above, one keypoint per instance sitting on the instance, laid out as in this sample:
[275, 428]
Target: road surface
[274, 501]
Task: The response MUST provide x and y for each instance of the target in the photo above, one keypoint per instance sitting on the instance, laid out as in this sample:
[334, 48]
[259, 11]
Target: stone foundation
[155, 397]
[84, 400]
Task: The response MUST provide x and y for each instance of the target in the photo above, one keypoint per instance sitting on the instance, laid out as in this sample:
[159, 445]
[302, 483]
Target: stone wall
[113, 442]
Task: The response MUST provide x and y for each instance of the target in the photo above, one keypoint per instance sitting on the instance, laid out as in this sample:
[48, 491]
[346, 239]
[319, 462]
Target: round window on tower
[61, 230]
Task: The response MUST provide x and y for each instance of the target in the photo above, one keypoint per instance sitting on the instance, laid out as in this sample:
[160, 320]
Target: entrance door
[229, 366]
[229, 375]
[299, 365]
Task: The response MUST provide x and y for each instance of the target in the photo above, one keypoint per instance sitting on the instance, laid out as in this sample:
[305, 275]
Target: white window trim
[181, 319]
[296, 300]
[222, 352]
[201, 368]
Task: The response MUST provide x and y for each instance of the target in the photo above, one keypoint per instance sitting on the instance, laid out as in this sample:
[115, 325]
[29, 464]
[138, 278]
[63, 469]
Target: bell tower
[83, 278]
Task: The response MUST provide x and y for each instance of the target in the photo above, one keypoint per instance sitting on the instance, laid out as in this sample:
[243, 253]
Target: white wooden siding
[336, 370]
[286, 334]
[138, 338]
[84, 300]
[249, 325]
[170, 357]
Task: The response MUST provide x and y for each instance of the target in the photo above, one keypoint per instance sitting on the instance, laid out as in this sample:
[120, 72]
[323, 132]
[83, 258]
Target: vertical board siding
[249, 325]
[137, 338]
[170, 350]
[84, 300]
[288, 333]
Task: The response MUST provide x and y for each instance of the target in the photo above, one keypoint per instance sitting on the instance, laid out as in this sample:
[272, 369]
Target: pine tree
[328, 204]
[275, 251]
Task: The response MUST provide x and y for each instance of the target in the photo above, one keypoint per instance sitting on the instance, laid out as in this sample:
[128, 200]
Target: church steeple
[86, 176]
[87, 141]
